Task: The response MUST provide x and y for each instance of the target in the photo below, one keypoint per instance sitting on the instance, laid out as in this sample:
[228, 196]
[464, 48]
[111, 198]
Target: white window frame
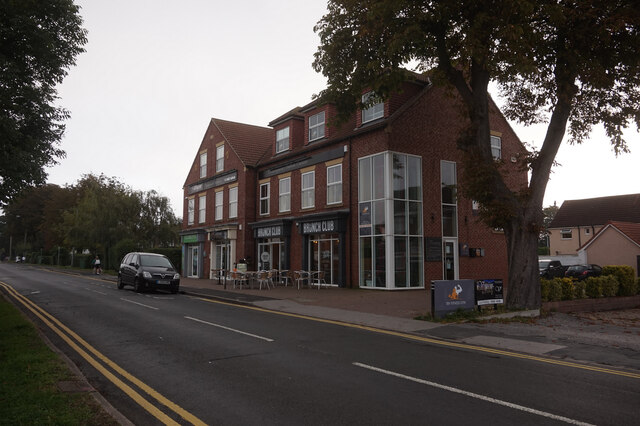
[496, 147]
[308, 190]
[202, 208]
[233, 202]
[337, 183]
[266, 185]
[373, 112]
[281, 138]
[219, 204]
[564, 232]
[191, 207]
[203, 165]
[284, 204]
[316, 129]
[219, 158]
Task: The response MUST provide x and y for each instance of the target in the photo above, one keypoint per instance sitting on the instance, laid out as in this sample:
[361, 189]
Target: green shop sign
[190, 238]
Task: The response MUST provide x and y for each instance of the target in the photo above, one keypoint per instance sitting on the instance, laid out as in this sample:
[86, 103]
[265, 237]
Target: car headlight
[146, 274]
[176, 276]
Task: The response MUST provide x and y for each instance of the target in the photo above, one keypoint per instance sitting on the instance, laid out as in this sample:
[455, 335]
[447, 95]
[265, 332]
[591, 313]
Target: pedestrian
[96, 265]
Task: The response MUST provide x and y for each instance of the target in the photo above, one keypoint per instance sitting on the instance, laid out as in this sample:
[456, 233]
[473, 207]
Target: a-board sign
[489, 292]
[451, 295]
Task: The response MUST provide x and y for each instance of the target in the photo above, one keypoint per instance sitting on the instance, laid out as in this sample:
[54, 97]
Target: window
[219, 201]
[587, 231]
[191, 207]
[316, 126]
[202, 208]
[448, 182]
[374, 111]
[220, 158]
[233, 202]
[203, 165]
[282, 140]
[285, 194]
[264, 198]
[566, 234]
[308, 190]
[334, 184]
[496, 147]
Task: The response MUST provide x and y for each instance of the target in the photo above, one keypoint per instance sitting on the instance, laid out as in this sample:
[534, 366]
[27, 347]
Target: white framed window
[202, 208]
[496, 147]
[203, 165]
[566, 234]
[233, 202]
[264, 198]
[219, 204]
[285, 195]
[220, 158]
[374, 111]
[587, 231]
[316, 126]
[308, 190]
[191, 210]
[334, 184]
[282, 140]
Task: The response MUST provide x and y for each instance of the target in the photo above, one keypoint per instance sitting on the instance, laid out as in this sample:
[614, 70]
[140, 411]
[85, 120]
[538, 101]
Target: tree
[39, 42]
[569, 63]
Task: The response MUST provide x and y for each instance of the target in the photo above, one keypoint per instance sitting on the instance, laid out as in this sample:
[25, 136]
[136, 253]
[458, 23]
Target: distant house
[577, 221]
[617, 243]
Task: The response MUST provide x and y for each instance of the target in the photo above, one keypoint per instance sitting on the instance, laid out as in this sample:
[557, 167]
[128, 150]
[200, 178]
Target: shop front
[273, 239]
[223, 243]
[324, 245]
[193, 246]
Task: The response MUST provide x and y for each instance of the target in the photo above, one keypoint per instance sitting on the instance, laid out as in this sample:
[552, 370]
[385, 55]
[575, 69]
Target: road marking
[435, 341]
[474, 395]
[141, 304]
[229, 329]
[57, 327]
[96, 291]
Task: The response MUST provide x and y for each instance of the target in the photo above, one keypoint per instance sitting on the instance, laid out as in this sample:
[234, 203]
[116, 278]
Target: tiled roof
[598, 211]
[293, 113]
[630, 230]
[249, 142]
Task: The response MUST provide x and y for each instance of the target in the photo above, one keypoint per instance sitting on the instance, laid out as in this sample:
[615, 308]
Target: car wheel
[136, 286]
[120, 283]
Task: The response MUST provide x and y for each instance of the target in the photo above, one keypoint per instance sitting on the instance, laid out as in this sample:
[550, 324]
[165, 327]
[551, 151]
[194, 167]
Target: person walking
[97, 269]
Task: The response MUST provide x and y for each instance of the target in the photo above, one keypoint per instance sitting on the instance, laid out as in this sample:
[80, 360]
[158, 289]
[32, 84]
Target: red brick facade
[422, 121]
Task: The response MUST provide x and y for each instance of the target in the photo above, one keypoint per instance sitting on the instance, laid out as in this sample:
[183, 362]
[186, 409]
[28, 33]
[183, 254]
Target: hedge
[624, 274]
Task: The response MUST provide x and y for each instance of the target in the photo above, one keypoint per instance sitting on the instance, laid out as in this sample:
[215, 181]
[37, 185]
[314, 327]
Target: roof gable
[250, 143]
[598, 211]
[629, 230]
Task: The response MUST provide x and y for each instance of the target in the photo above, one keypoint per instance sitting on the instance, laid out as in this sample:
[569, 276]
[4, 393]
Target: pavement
[604, 338]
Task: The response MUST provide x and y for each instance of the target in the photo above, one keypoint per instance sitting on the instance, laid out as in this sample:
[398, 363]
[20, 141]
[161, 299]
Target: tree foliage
[39, 41]
[570, 63]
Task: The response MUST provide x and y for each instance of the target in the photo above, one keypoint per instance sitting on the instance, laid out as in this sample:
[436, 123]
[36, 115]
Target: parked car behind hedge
[582, 272]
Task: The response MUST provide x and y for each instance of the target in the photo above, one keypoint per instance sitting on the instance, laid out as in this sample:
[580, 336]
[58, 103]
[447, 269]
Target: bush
[545, 289]
[579, 290]
[566, 284]
[555, 293]
[624, 275]
[609, 285]
[593, 288]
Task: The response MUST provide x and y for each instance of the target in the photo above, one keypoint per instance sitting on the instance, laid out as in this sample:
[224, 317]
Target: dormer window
[374, 111]
[316, 126]
[282, 140]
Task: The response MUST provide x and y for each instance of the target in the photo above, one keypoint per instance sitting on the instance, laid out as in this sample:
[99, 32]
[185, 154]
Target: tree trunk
[523, 291]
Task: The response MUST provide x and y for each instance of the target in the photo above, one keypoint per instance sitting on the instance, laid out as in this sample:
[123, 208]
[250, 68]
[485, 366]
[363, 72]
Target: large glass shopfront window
[271, 254]
[324, 256]
[390, 221]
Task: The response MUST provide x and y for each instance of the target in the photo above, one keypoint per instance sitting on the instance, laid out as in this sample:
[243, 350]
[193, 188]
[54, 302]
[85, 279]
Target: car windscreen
[543, 264]
[155, 261]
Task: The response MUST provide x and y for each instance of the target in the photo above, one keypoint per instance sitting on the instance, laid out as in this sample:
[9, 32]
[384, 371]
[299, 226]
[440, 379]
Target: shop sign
[269, 231]
[489, 292]
[451, 295]
[219, 235]
[193, 238]
[319, 227]
[213, 182]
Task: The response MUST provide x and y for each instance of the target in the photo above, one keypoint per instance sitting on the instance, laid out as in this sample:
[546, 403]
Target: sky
[155, 72]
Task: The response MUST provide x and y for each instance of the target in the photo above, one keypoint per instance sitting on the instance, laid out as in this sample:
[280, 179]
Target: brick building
[372, 203]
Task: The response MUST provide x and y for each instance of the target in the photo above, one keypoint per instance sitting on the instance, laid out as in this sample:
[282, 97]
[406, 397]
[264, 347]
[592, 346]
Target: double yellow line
[101, 362]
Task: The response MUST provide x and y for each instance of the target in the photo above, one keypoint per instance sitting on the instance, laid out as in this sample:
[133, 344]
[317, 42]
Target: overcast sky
[155, 72]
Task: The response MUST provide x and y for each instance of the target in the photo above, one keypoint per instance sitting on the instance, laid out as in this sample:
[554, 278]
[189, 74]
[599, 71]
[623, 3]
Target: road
[167, 359]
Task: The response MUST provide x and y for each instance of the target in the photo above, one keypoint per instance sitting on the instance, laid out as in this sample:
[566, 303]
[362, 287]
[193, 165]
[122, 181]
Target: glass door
[193, 262]
[222, 256]
[325, 256]
[450, 259]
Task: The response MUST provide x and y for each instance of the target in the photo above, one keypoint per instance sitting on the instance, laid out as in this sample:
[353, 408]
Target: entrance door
[325, 256]
[450, 259]
[270, 255]
[193, 262]
[222, 256]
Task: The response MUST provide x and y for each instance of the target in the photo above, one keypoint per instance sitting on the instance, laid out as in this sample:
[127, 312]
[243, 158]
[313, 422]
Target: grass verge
[29, 375]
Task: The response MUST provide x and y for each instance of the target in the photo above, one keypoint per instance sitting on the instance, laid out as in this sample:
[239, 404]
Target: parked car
[148, 271]
[581, 272]
[551, 268]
